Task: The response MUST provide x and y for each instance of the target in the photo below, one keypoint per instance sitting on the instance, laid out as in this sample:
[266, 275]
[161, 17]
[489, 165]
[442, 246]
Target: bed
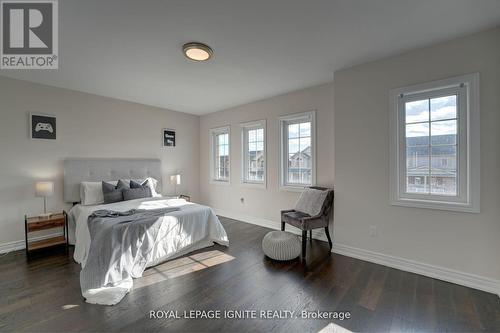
[182, 226]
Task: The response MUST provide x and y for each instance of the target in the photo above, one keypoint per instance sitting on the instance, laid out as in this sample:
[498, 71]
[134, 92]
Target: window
[435, 145]
[220, 165]
[253, 136]
[298, 151]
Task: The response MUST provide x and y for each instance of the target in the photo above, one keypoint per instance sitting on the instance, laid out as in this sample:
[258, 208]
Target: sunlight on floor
[182, 266]
[69, 306]
[334, 328]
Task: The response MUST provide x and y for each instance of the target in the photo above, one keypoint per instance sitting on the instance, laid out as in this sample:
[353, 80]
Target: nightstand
[38, 223]
[185, 197]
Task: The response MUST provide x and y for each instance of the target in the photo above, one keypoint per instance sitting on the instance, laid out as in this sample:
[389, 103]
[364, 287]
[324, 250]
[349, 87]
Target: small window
[298, 151]
[254, 152]
[220, 156]
[435, 145]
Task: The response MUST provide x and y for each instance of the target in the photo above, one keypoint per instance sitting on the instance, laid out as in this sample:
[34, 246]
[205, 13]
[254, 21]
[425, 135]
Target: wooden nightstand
[37, 223]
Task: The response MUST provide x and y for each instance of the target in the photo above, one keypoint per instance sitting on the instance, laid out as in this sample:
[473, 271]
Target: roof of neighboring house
[305, 152]
[441, 145]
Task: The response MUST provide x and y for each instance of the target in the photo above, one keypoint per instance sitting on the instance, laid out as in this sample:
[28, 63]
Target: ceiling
[131, 50]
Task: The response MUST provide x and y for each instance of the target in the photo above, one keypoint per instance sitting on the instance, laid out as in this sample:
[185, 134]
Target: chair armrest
[287, 211]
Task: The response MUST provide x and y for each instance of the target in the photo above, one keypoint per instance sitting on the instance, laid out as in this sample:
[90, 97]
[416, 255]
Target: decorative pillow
[112, 193]
[137, 193]
[147, 183]
[151, 182]
[91, 193]
[311, 201]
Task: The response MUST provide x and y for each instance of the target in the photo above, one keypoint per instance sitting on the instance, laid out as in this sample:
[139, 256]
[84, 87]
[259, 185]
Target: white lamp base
[45, 215]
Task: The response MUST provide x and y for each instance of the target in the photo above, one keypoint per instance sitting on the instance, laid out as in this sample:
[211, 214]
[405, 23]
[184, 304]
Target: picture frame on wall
[42, 126]
[168, 137]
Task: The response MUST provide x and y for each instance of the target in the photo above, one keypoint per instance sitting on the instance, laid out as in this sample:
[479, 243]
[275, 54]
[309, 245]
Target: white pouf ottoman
[281, 245]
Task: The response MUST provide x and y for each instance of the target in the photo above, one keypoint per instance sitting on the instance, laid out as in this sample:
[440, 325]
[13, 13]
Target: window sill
[220, 182]
[439, 205]
[294, 188]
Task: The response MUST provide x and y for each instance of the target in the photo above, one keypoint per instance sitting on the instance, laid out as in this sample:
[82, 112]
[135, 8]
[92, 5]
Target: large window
[435, 138]
[298, 152]
[254, 152]
[220, 165]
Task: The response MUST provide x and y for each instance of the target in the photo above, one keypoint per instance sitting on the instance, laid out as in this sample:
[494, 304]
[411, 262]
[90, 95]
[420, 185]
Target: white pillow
[91, 193]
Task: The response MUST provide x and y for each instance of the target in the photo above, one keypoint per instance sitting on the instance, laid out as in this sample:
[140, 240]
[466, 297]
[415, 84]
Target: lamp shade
[175, 179]
[44, 189]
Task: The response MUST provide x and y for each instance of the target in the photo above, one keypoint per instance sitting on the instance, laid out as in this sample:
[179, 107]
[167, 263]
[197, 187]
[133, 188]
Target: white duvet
[169, 243]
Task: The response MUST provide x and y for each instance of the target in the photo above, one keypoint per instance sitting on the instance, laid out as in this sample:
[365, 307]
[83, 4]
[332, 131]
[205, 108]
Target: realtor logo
[29, 36]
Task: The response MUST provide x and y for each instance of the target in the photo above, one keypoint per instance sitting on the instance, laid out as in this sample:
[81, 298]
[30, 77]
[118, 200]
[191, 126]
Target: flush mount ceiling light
[197, 51]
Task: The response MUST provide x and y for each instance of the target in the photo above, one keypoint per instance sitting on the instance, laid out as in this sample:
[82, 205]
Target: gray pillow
[311, 201]
[137, 184]
[112, 193]
[136, 193]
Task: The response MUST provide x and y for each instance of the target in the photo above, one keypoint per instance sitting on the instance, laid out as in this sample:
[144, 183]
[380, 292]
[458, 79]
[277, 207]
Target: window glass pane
[417, 111]
[444, 170]
[254, 155]
[417, 169]
[293, 131]
[306, 176]
[299, 160]
[444, 132]
[251, 135]
[417, 134]
[305, 129]
[444, 185]
[305, 145]
[293, 146]
[221, 156]
[260, 134]
[444, 107]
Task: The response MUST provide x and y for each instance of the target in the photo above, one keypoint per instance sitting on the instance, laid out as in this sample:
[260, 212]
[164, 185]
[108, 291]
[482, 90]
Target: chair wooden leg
[282, 226]
[304, 243]
[328, 236]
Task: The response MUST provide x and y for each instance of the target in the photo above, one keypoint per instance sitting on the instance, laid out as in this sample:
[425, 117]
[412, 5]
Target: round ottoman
[281, 245]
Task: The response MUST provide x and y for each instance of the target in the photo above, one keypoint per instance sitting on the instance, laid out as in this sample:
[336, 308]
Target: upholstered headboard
[77, 170]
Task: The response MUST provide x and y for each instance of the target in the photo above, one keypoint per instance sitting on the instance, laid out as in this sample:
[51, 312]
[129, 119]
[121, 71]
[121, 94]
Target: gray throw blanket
[121, 243]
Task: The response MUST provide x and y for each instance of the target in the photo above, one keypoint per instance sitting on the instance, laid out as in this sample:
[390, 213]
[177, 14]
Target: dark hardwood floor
[44, 294]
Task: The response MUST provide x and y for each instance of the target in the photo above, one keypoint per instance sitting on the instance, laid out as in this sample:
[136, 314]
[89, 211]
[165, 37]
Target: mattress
[193, 227]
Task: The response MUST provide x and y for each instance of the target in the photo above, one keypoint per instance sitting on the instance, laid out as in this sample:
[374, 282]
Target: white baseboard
[20, 244]
[436, 272]
[276, 225]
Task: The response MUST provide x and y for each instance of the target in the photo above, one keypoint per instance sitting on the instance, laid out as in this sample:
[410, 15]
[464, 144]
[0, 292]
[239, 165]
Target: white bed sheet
[192, 227]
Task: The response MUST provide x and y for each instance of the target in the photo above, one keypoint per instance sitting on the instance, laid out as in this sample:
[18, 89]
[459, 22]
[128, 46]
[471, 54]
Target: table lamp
[44, 189]
[176, 180]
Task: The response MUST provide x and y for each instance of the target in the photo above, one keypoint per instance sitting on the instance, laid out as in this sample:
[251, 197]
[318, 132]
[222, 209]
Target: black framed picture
[168, 138]
[43, 126]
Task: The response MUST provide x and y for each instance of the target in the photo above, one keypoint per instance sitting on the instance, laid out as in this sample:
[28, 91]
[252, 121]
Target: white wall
[87, 126]
[463, 242]
[265, 204]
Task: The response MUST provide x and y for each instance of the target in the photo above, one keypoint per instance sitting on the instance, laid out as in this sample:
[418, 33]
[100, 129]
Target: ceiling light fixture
[197, 51]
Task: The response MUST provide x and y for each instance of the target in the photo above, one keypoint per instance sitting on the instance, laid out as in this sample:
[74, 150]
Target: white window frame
[283, 149]
[213, 134]
[466, 87]
[245, 127]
